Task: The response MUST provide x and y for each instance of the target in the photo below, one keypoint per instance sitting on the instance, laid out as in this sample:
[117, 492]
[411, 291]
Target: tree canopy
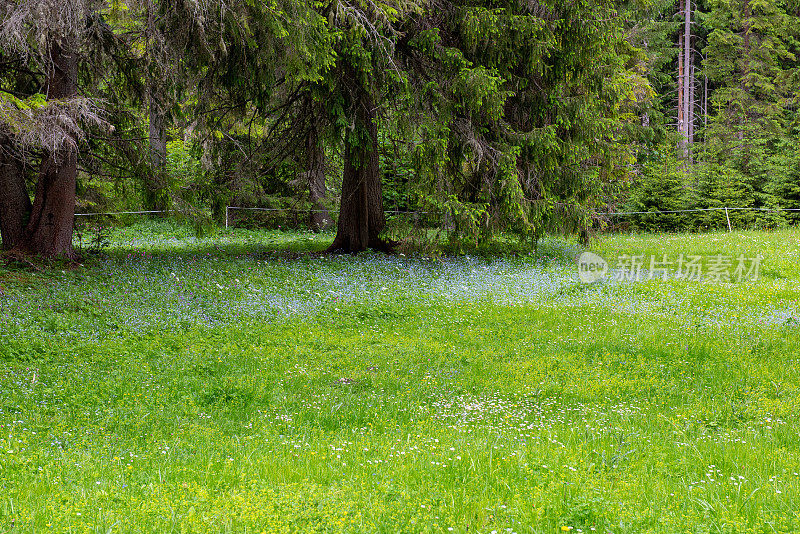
[522, 117]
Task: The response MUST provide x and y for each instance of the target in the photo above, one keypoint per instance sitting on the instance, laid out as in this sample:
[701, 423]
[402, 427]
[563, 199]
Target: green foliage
[668, 184]
[662, 185]
[95, 235]
[183, 165]
[744, 141]
[782, 177]
[723, 186]
[525, 116]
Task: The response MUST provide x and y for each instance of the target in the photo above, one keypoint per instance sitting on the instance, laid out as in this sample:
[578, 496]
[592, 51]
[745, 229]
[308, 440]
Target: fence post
[729, 220]
[226, 216]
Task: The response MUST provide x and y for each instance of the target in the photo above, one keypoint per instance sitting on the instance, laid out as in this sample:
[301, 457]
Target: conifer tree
[752, 59]
[526, 110]
[44, 116]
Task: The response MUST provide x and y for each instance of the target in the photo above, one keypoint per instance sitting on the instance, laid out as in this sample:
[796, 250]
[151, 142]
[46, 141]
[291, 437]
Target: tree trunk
[361, 218]
[15, 204]
[681, 116]
[315, 174]
[155, 182]
[705, 102]
[685, 114]
[49, 231]
[154, 193]
[688, 64]
[692, 105]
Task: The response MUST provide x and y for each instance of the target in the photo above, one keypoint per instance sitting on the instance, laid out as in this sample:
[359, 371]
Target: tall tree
[366, 69]
[524, 101]
[44, 36]
[686, 83]
[753, 64]
[158, 73]
[245, 64]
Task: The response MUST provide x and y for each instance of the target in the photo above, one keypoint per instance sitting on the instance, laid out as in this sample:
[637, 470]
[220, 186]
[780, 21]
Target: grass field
[239, 384]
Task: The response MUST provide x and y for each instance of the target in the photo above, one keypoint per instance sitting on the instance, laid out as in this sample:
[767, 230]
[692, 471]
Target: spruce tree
[42, 119]
[752, 60]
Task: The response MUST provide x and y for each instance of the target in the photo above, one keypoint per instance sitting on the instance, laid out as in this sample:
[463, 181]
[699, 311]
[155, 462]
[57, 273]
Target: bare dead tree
[685, 83]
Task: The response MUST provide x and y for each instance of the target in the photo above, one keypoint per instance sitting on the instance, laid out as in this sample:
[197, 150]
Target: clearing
[228, 385]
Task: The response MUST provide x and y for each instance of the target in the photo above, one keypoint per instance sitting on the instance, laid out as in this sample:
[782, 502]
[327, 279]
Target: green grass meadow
[244, 383]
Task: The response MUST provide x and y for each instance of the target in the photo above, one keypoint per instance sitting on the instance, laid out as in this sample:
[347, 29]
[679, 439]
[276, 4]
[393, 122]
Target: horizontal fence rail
[613, 214]
[228, 208]
[405, 212]
[119, 213]
[698, 210]
[618, 213]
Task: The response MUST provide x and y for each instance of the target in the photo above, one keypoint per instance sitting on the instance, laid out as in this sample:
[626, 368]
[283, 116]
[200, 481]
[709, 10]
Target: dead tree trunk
[315, 174]
[49, 230]
[681, 117]
[15, 204]
[692, 106]
[361, 217]
[688, 65]
[685, 115]
[705, 100]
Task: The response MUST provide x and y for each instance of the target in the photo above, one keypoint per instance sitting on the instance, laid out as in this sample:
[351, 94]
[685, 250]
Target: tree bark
[15, 204]
[685, 111]
[681, 117]
[315, 173]
[687, 74]
[154, 194]
[49, 231]
[361, 217]
[155, 183]
[692, 106]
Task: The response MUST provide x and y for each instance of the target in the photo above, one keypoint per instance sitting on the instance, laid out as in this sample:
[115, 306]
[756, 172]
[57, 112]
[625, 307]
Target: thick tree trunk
[361, 218]
[15, 204]
[315, 173]
[49, 231]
